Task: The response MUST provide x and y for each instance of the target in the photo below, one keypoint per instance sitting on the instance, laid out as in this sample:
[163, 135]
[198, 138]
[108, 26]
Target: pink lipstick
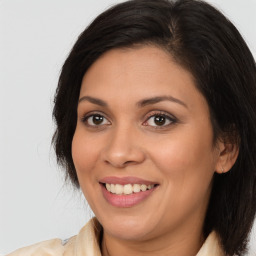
[126, 191]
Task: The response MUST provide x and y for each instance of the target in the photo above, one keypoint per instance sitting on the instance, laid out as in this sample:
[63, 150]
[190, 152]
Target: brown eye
[159, 120]
[96, 120]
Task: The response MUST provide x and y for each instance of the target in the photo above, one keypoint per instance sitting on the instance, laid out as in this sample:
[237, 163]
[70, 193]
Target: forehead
[138, 72]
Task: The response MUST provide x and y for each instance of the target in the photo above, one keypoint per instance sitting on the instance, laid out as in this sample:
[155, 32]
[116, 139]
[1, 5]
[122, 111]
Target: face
[143, 146]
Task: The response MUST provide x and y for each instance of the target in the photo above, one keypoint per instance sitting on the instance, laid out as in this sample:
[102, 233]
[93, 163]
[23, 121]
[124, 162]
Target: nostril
[129, 162]
[119, 164]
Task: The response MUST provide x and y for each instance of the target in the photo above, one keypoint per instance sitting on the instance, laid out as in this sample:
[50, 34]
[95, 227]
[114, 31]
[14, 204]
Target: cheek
[187, 168]
[186, 159]
[84, 154]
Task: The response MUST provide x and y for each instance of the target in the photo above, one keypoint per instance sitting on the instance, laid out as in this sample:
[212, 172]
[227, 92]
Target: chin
[128, 227]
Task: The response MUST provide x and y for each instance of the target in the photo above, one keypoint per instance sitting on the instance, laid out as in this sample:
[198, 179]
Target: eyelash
[173, 120]
[170, 118]
[87, 116]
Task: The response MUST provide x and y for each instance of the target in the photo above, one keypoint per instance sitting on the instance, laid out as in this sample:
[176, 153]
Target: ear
[228, 153]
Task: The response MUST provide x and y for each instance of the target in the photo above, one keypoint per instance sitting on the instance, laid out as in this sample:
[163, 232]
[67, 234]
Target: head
[209, 54]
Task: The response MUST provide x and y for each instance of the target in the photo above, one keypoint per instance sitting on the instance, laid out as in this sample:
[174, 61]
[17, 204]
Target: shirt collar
[88, 242]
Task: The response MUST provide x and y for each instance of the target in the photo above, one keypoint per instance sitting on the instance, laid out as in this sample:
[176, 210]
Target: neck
[187, 244]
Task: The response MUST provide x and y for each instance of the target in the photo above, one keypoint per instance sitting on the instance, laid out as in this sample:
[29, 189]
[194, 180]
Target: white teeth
[127, 189]
[143, 187]
[113, 188]
[119, 189]
[136, 188]
[150, 186]
[108, 186]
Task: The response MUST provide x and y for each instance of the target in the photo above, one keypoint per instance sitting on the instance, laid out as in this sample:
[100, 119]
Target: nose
[123, 148]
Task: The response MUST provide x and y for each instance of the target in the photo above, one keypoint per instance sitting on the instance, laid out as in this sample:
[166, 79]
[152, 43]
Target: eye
[159, 120]
[95, 120]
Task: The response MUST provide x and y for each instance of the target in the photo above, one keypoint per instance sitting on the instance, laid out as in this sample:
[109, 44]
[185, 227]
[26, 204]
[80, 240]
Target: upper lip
[126, 180]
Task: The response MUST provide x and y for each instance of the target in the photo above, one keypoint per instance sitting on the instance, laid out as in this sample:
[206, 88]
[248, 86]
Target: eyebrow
[158, 99]
[141, 103]
[93, 100]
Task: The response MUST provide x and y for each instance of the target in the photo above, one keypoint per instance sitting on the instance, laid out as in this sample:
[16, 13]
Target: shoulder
[54, 247]
[85, 243]
[211, 246]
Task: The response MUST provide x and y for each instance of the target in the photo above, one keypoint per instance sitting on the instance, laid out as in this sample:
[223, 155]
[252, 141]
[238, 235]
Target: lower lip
[126, 201]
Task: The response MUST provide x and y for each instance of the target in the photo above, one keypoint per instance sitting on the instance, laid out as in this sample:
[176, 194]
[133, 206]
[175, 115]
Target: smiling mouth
[128, 189]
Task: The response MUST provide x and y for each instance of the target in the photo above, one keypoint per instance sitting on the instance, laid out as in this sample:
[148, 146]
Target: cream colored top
[86, 243]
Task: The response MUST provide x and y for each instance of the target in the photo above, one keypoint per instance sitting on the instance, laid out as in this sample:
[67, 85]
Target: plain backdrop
[35, 38]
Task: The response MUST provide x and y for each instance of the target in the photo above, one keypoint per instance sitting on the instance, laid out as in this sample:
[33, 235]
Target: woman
[155, 112]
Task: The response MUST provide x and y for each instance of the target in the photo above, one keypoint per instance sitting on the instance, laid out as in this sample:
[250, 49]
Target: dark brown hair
[205, 42]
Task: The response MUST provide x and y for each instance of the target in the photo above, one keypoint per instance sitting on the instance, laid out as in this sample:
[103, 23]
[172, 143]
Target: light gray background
[35, 38]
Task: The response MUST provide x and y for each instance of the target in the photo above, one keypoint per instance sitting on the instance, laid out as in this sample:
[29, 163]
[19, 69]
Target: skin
[179, 155]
